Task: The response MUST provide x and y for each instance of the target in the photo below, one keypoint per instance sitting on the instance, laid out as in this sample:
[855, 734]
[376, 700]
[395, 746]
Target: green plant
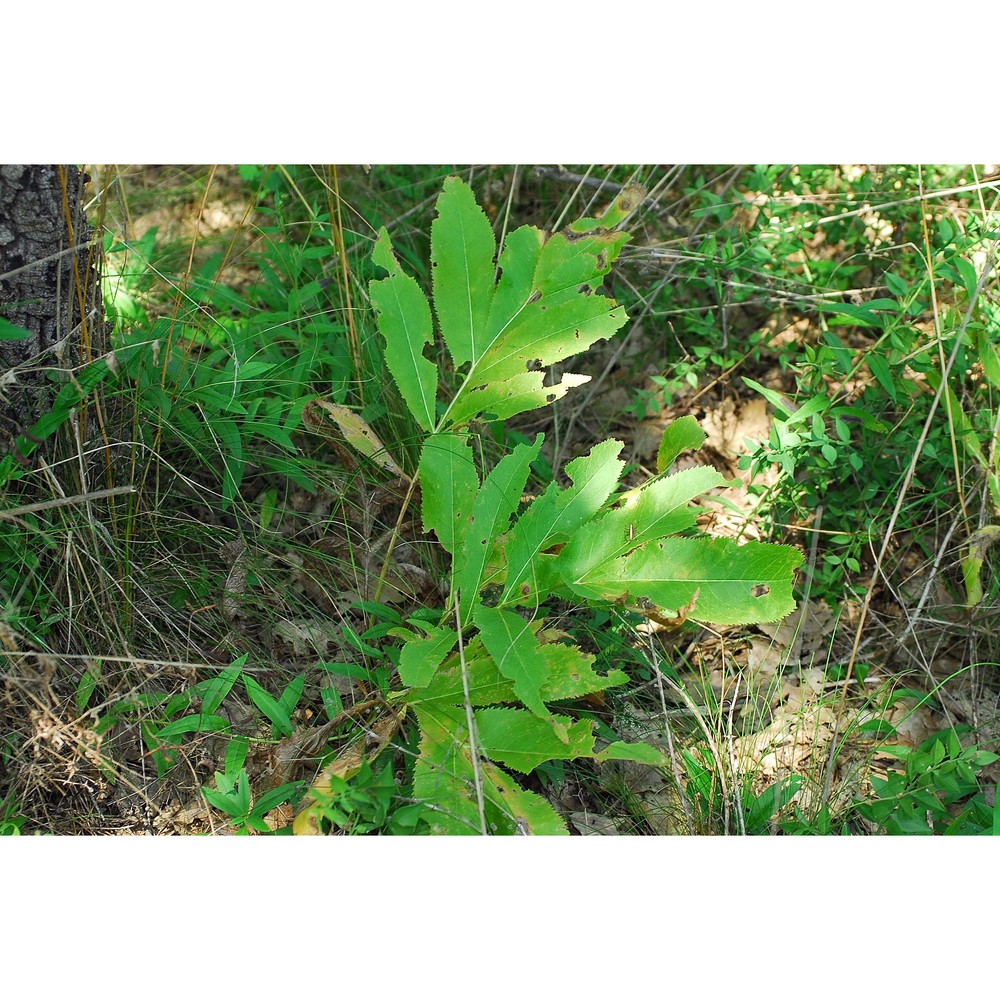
[935, 792]
[231, 794]
[11, 820]
[367, 803]
[757, 812]
[490, 681]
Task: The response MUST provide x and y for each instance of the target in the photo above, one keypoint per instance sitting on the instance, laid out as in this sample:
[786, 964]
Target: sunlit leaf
[404, 320]
[449, 483]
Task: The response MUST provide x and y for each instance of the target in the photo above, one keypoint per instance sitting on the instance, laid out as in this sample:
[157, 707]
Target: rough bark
[49, 284]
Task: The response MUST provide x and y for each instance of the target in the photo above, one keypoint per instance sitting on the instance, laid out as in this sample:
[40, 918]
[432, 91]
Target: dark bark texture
[49, 284]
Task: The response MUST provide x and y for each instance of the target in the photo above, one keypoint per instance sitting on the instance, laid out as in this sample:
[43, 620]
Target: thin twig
[32, 508]
[471, 720]
[674, 764]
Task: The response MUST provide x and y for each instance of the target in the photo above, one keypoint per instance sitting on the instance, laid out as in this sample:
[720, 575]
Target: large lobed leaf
[501, 335]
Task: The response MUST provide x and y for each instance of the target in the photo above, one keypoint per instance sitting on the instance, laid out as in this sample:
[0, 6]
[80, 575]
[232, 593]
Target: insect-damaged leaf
[404, 319]
[546, 307]
[449, 484]
[653, 511]
[462, 252]
[729, 584]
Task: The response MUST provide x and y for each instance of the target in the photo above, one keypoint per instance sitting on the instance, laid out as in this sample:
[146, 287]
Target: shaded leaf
[421, 657]
[268, 705]
[680, 435]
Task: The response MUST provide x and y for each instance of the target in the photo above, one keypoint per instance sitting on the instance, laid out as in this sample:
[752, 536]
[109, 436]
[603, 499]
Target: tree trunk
[49, 285]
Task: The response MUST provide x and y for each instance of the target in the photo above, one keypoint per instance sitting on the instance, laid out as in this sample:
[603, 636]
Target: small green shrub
[936, 792]
[489, 681]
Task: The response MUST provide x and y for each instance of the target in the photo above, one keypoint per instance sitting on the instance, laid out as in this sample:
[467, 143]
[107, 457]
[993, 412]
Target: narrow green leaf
[404, 320]
[449, 483]
[462, 252]
[292, 693]
[967, 271]
[780, 402]
[10, 331]
[220, 685]
[883, 375]
[680, 435]
[274, 798]
[85, 688]
[193, 724]
[644, 753]
[236, 755]
[497, 500]
[509, 639]
[268, 705]
[848, 314]
[964, 430]
[555, 515]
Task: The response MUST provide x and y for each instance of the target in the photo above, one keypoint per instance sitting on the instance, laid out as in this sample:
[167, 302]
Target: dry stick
[506, 221]
[31, 508]
[470, 718]
[337, 229]
[572, 198]
[396, 531]
[674, 765]
[737, 789]
[964, 188]
[796, 651]
[931, 578]
[828, 780]
[46, 260]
